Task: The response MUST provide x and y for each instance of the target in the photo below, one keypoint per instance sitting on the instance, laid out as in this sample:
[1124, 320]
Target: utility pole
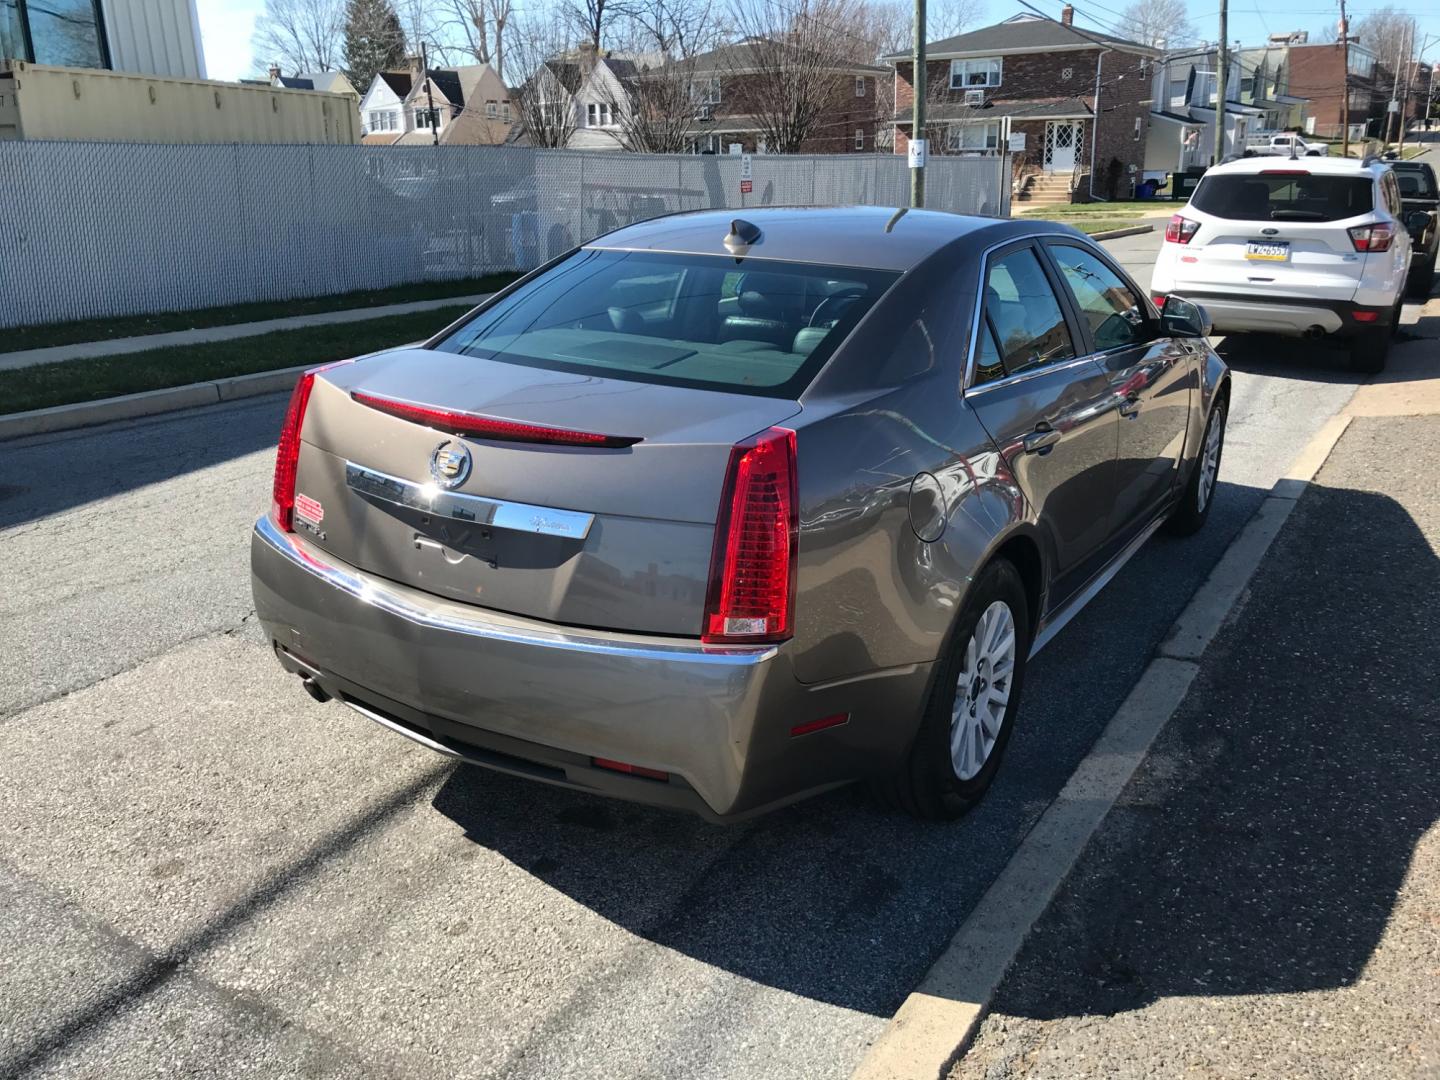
[1405, 96]
[917, 109]
[429, 97]
[1393, 105]
[1222, 66]
[1344, 83]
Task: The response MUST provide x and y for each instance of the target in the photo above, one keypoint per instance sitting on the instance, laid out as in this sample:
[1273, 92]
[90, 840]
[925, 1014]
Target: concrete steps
[1047, 189]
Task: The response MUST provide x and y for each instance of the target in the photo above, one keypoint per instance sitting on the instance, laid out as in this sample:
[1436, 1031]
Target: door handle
[1041, 440]
[1130, 407]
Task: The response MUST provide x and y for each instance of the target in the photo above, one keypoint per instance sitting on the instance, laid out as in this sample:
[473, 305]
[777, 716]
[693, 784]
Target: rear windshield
[1415, 183]
[754, 327]
[1284, 197]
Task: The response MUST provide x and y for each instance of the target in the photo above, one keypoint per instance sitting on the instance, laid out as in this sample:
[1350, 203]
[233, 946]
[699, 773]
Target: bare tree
[1158, 23]
[544, 103]
[479, 26]
[301, 35]
[593, 18]
[797, 62]
[949, 17]
[1386, 32]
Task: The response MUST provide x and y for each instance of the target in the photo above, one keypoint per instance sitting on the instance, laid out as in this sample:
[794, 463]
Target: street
[203, 871]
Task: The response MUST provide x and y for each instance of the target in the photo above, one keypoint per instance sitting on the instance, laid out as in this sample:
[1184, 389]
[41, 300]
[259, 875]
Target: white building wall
[154, 37]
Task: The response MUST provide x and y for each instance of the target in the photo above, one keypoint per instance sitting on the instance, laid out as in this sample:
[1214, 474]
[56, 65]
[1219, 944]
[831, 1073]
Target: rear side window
[1284, 196]
[763, 328]
[1025, 314]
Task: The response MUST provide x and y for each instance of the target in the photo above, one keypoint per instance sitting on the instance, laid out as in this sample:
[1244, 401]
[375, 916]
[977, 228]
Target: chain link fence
[99, 229]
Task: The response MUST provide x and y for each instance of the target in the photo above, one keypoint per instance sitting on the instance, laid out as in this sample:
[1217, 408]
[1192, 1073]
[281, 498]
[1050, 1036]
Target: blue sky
[226, 25]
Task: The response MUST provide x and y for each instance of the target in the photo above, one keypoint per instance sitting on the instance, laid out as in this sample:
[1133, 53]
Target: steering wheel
[852, 293]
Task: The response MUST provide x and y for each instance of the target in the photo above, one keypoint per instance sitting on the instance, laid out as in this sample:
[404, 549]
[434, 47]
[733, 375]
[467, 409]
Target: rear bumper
[543, 701]
[1293, 317]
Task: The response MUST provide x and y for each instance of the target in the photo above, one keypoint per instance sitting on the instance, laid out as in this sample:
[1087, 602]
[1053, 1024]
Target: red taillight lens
[1377, 237]
[627, 768]
[1180, 229]
[489, 427]
[287, 457]
[752, 567]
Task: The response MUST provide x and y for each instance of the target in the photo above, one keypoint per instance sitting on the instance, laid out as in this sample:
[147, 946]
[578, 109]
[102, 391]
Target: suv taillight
[1180, 229]
[287, 457]
[752, 566]
[1377, 237]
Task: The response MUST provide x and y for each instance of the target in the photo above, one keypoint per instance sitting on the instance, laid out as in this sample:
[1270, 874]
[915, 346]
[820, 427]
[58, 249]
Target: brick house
[1318, 72]
[731, 83]
[1036, 77]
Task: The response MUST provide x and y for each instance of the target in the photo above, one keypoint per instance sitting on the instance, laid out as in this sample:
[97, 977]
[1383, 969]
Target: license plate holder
[1268, 250]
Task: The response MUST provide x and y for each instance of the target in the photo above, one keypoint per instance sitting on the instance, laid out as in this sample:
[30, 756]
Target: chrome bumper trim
[390, 598]
[497, 513]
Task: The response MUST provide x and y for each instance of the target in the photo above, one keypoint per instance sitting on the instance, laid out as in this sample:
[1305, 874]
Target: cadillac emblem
[450, 463]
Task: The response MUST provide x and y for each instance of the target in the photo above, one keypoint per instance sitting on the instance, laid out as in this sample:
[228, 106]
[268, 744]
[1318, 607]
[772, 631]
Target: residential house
[1318, 72]
[1038, 78]
[327, 82]
[146, 37]
[600, 98]
[1181, 135]
[464, 106]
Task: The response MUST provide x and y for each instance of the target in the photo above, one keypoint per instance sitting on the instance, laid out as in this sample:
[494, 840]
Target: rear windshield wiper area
[1298, 215]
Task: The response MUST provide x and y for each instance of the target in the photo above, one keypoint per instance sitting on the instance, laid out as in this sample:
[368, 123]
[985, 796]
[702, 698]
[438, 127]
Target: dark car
[717, 513]
[1420, 198]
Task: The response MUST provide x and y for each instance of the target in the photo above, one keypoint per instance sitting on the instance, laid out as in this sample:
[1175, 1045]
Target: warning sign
[746, 187]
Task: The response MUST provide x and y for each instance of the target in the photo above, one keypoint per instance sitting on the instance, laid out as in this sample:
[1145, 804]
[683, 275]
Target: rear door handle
[1041, 440]
[1130, 407]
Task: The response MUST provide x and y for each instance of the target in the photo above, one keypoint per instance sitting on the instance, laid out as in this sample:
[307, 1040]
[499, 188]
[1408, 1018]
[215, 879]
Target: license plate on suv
[1268, 250]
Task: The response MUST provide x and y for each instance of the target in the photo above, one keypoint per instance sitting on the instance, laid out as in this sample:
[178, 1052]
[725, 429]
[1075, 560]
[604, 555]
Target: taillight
[752, 566]
[489, 427]
[287, 457]
[1180, 229]
[1377, 237]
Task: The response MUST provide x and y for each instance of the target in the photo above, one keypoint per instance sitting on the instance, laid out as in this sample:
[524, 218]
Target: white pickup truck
[1281, 146]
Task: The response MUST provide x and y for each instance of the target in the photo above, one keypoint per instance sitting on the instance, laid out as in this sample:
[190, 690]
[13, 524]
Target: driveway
[202, 870]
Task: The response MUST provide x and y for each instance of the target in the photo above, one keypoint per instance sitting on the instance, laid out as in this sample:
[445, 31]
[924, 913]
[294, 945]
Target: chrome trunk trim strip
[497, 513]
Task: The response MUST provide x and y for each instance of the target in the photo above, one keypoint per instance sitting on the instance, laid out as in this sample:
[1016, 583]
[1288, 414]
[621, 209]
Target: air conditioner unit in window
[975, 98]
[703, 113]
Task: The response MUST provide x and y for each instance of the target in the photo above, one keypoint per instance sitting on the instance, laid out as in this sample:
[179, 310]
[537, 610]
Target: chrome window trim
[967, 385]
[497, 513]
[391, 598]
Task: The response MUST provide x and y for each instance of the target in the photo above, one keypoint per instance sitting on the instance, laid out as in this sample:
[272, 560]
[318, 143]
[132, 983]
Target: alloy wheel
[1210, 461]
[982, 693]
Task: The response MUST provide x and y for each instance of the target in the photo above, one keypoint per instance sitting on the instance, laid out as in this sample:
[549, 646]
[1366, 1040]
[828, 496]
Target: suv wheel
[972, 705]
[1369, 348]
[1423, 279]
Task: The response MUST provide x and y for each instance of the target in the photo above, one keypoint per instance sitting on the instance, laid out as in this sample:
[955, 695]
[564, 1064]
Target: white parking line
[934, 1025]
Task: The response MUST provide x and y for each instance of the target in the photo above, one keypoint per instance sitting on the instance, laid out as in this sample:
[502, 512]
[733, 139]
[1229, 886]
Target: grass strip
[14, 339]
[71, 381]
[1097, 209]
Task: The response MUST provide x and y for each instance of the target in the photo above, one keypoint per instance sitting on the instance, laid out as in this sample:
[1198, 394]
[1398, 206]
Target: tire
[1190, 513]
[1423, 279]
[1370, 348]
[929, 784]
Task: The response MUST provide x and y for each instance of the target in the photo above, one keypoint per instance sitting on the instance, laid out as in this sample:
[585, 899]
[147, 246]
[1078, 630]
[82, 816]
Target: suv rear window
[1284, 196]
[761, 327]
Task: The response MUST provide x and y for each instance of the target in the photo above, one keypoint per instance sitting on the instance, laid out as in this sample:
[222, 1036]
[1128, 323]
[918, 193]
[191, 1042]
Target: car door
[1049, 408]
[1150, 375]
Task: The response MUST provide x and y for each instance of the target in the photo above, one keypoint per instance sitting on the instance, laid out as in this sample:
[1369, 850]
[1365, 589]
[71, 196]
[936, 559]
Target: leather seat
[762, 313]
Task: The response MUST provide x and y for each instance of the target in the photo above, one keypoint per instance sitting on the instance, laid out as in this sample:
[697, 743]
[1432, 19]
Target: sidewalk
[1264, 900]
[10, 361]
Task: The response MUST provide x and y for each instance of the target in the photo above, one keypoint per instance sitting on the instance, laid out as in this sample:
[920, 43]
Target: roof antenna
[742, 234]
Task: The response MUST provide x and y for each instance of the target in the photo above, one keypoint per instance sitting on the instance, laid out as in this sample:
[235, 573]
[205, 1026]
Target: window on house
[859, 138]
[492, 110]
[971, 74]
[859, 86]
[972, 137]
[592, 118]
[706, 91]
[422, 118]
[505, 110]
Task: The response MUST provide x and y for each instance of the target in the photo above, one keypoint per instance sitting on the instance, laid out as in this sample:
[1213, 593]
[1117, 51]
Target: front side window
[1284, 195]
[975, 74]
[763, 328]
[1025, 313]
[1115, 315]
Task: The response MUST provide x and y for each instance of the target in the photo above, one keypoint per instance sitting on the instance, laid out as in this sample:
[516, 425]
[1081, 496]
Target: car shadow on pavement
[1289, 358]
[836, 899]
[1263, 844]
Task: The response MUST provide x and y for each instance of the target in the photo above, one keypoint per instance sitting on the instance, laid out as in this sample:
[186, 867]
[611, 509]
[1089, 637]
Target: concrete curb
[89, 350]
[1115, 234]
[149, 403]
[934, 1025]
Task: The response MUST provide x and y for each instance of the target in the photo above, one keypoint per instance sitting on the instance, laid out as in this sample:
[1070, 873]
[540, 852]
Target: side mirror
[1181, 318]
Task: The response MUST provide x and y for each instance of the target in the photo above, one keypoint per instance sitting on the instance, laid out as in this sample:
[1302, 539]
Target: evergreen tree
[374, 41]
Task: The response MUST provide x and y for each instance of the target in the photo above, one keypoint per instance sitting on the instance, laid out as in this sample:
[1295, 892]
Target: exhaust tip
[314, 689]
[1316, 331]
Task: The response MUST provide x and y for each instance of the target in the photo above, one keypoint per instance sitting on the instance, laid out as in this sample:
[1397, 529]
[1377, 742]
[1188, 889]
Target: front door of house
[1062, 143]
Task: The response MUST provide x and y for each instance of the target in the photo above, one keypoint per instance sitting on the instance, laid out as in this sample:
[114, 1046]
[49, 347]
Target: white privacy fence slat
[96, 229]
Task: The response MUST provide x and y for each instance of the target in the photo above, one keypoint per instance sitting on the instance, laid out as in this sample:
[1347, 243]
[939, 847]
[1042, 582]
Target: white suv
[1306, 247]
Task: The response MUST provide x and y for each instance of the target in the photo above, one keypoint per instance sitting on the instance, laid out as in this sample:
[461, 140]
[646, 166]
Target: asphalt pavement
[204, 871]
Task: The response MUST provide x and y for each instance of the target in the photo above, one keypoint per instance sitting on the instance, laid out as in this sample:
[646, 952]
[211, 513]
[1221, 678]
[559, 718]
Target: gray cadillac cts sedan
[718, 513]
